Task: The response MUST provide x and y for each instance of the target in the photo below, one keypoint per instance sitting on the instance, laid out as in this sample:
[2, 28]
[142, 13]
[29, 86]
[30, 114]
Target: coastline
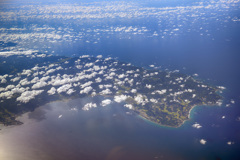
[172, 127]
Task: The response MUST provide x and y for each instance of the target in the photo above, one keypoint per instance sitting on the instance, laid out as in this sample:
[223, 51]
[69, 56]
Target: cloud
[26, 72]
[9, 87]
[120, 98]
[98, 80]
[52, 91]
[106, 102]
[134, 91]
[7, 94]
[203, 141]
[70, 91]
[153, 100]
[50, 71]
[15, 79]
[86, 84]
[28, 95]
[99, 56]
[3, 80]
[196, 125]
[163, 91]
[39, 85]
[24, 82]
[106, 91]
[64, 88]
[128, 106]
[11, 53]
[139, 99]
[89, 106]
[86, 90]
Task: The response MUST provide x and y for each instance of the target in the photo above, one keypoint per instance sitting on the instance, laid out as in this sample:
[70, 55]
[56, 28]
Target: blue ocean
[200, 37]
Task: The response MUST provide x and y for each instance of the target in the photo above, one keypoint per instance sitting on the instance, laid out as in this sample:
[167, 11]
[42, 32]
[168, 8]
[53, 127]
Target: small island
[29, 80]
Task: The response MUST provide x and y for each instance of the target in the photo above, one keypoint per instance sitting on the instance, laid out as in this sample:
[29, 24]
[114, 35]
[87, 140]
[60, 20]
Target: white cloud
[196, 125]
[106, 91]
[86, 84]
[39, 85]
[89, 106]
[64, 88]
[96, 68]
[7, 94]
[88, 64]
[44, 78]
[153, 100]
[3, 80]
[15, 79]
[86, 90]
[149, 86]
[98, 80]
[52, 91]
[99, 56]
[120, 98]
[128, 106]
[203, 141]
[11, 53]
[106, 102]
[28, 95]
[84, 56]
[134, 91]
[139, 99]
[26, 72]
[9, 87]
[161, 92]
[121, 76]
[70, 91]
[230, 143]
[24, 82]
[50, 71]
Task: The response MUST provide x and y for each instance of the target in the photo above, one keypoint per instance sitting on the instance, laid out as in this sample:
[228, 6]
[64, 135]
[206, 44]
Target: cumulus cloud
[24, 82]
[50, 71]
[39, 85]
[64, 88]
[134, 91]
[203, 141]
[70, 91]
[99, 56]
[15, 79]
[106, 102]
[27, 72]
[7, 94]
[106, 91]
[3, 80]
[28, 95]
[139, 99]
[128, 106]
[52, 91]
[196, 125]
[89, 106]
[11, 53]
[86, 84]
[86, 90]
[120, 98]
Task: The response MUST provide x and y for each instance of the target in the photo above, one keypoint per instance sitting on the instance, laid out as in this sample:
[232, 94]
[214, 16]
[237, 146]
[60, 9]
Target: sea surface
[61, 130]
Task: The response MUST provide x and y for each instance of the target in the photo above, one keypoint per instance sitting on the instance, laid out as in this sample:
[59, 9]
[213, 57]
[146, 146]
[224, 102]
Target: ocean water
[61, 130]
[109, 133]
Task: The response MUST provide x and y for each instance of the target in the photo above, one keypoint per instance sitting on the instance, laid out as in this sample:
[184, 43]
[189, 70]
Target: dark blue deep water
[208, 45]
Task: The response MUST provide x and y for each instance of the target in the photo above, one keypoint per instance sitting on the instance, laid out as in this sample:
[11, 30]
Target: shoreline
[173, 127]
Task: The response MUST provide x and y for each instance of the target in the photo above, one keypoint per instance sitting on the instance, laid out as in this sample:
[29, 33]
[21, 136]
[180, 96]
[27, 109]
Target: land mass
[164, 97]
